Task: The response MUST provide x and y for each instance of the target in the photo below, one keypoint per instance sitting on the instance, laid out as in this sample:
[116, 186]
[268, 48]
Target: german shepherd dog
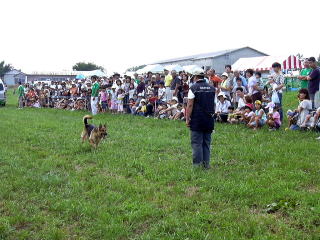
[92, 133]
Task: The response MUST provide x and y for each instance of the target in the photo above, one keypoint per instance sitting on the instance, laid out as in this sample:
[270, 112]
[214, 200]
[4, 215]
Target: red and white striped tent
[292, 62]
[265, 63]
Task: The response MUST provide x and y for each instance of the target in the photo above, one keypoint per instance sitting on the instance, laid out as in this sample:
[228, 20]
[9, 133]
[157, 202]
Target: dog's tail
[85, 119]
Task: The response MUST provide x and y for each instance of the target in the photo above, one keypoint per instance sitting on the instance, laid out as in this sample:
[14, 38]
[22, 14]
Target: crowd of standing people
[240, 97]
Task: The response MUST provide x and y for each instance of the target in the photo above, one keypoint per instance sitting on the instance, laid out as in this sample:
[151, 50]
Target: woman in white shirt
[304, 108]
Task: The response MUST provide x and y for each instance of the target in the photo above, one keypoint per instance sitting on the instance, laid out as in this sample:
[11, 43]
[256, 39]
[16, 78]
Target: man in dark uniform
[199, 117]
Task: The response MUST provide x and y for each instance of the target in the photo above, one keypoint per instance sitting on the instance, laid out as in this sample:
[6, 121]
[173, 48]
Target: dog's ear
[100, 126]
[105, 125]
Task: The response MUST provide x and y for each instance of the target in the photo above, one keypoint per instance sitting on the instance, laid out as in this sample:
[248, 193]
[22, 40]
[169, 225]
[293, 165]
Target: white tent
[156, 68]
[175, 67]
[192, 68]
[97, 72]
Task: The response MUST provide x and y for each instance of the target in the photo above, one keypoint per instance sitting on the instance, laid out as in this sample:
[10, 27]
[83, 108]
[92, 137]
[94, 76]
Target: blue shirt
[244, 81]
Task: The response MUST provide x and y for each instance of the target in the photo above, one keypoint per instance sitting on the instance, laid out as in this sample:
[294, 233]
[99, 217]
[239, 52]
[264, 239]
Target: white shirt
[161, 94]
[191, 94]
[241, 103]
[131, 93]
[222, 107]
[251, 82]
[306, 106]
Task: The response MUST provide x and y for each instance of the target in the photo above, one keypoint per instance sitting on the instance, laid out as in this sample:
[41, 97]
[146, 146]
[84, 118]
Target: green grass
[139, 183]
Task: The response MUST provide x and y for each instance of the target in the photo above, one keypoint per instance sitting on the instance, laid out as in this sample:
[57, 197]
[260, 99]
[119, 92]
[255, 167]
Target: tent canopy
[265, 63]
[192, 68]
[155, 68]
[85, 74]
[175, 67]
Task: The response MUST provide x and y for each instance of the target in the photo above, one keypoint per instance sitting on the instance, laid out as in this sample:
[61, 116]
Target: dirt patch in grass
[191, 191]
[312, 188]
[22, 225]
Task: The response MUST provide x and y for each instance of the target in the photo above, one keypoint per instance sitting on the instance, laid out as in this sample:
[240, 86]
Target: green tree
[83, 66]
[4, 68]
[135, 68]
[299, 56]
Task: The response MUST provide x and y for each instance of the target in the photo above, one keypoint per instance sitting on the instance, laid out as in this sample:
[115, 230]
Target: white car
[2, 94]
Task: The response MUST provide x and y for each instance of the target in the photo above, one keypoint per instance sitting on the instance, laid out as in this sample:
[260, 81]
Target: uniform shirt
[21, 91]
[203, 106]
[95, 89]
[305, 72]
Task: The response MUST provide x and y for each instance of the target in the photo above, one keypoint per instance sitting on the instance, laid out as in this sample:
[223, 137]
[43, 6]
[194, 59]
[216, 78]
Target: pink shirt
[276, 117]
[103, 96]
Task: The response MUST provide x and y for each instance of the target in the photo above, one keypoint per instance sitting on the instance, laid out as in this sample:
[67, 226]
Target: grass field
[140, 184]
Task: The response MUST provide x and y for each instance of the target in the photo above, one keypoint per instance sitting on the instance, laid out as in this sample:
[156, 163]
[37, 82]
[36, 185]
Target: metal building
[217, 60]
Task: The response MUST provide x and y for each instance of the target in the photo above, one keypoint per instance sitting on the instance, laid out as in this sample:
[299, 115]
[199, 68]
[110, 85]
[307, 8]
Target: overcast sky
[55, 34]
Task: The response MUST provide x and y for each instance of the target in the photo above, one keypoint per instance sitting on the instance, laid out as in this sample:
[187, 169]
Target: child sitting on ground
[160, 113]
[132, 107]
[312, 119]
[274, 121]
[171, 111]
[259, 118]
[142, 109]
[247, 114]
[178, 115]
[232, 116]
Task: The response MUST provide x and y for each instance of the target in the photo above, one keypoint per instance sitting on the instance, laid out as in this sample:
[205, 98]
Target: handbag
[275, 98]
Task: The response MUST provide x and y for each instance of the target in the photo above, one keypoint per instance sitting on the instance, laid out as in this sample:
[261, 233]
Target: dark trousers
[312, 99]
[280, 106]
[200, 143]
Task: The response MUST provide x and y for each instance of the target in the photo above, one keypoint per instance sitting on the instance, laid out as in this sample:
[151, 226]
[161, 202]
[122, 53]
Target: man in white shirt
[222, 108]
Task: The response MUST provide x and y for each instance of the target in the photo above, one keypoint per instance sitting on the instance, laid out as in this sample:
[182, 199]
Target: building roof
[13, 72]
[208, 55]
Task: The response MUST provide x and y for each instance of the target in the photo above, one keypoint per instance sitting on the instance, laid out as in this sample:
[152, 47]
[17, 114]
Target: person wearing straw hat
[200, 119]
